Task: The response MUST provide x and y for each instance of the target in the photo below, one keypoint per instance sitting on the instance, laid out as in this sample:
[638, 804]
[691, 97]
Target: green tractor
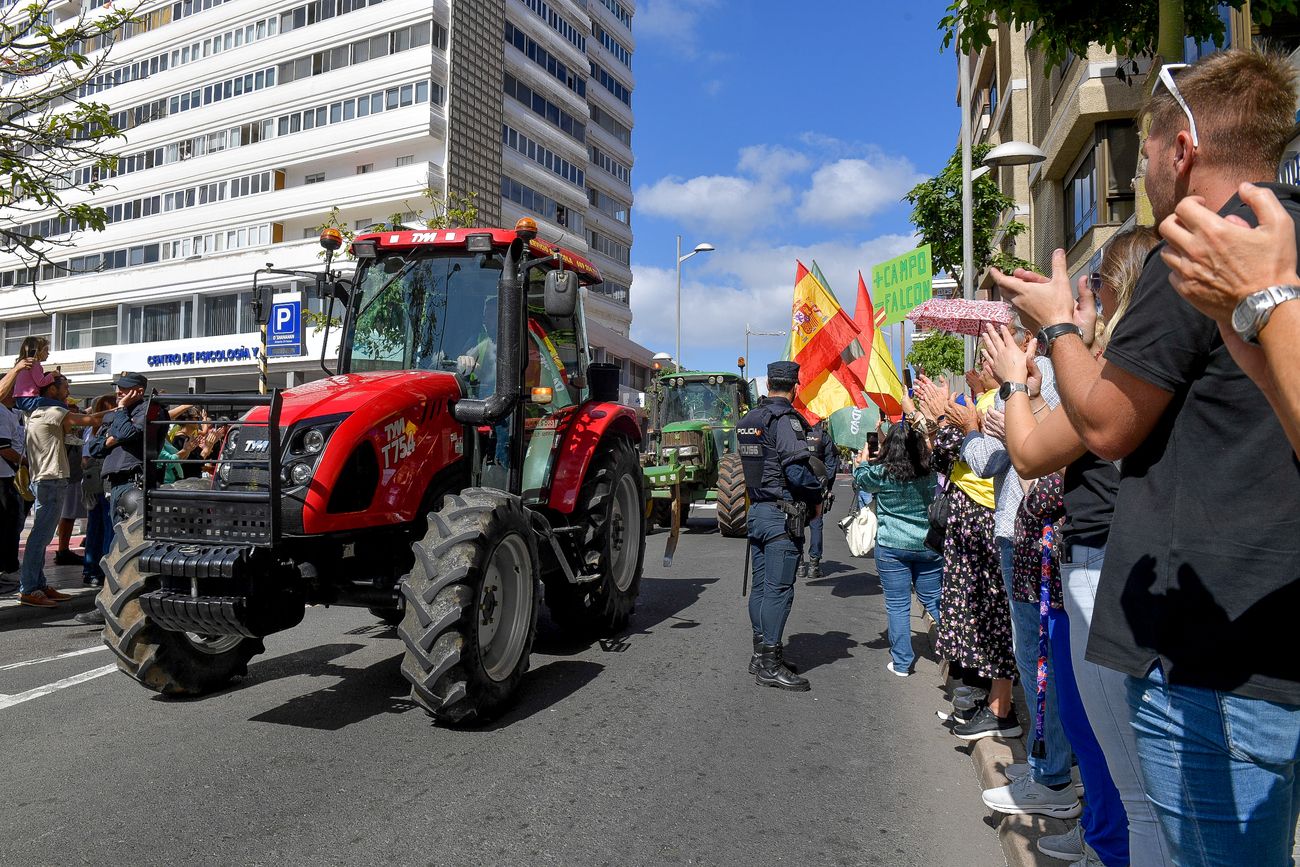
[691, 456]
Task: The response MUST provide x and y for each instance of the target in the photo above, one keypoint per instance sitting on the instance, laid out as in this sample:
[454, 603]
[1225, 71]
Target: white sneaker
[1088, 859]
[1066, 847]
[1016, 771]
[1026, 797]
[895, 671]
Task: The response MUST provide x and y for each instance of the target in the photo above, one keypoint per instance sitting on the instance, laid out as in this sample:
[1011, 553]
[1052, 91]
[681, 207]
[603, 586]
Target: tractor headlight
[223, 471]
[688, 451]
[670, 453]
[313, 441]
[300, 473]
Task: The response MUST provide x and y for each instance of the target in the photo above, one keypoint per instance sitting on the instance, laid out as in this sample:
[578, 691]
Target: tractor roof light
[526, 228]
[479, 242]
[331, 238]
[365, 249]
[542, 395]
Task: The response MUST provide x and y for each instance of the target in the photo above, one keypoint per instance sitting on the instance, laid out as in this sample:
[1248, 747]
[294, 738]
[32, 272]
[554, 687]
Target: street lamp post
[699, 248]
[749, 331]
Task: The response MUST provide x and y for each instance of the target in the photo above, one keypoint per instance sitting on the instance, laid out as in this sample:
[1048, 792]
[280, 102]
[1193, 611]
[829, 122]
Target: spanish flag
[876, 369]
[822, 337]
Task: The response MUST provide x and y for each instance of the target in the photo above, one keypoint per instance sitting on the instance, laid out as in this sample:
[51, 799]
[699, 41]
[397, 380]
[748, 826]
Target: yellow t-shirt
[979, 490]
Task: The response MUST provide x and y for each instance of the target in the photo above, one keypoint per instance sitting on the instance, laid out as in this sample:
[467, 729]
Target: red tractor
[465, 460]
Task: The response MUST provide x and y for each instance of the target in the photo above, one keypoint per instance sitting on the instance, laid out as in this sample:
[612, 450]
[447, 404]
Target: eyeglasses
[1167, 79]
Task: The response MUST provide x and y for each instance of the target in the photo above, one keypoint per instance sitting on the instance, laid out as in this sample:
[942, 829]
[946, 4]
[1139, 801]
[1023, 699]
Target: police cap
[783, 372]
[129, 380]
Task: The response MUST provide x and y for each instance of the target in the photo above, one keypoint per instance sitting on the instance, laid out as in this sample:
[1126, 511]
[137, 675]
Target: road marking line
[71, 653]
[9, 701]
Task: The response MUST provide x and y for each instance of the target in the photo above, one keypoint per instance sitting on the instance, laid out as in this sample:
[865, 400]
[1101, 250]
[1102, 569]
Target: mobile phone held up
[873, 443]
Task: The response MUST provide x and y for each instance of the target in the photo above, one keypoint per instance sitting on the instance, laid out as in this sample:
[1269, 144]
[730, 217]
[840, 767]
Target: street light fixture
[749, 331]
[699, 248]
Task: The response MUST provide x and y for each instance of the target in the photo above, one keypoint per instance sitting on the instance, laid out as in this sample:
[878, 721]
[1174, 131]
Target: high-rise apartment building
[247, 122]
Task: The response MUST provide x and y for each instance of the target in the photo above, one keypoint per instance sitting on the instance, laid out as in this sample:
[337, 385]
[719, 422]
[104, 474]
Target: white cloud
[675, 22]
[744, 284]
[720, 204]
[856, 188]
[771, 162]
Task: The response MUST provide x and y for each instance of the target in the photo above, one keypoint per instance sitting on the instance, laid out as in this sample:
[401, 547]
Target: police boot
[801, 571]
[755, 660]
[815, 569]
[772, 673]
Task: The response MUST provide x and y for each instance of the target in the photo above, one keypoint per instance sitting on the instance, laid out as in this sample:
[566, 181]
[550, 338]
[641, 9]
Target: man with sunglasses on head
[1201, 579]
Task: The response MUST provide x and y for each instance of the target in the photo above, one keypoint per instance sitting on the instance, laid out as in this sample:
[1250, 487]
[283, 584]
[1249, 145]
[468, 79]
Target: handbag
[938, 513]
[860, 531]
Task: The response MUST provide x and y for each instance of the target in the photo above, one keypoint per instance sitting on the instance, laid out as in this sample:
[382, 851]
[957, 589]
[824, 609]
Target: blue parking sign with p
[284, 327]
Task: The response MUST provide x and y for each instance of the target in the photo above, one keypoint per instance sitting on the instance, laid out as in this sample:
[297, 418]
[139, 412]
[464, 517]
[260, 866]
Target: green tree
[1137, 28]
[938, 354]
[48, 127]
[936, 213]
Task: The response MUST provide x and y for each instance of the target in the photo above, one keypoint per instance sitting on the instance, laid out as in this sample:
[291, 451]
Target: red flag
[822, 335]
[876, 368]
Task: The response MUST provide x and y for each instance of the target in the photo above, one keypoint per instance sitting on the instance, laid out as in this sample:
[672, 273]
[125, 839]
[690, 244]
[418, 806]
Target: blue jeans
[900, 570]
[1054, 768]
[774, 558]
[1220, 769]
[45, 521]
[1105, 823]
[1104, 694]
[99, 537]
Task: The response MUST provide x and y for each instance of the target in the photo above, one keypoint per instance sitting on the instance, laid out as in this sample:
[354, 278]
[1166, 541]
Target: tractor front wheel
[611, 515]
[471, 607]
[172, 663]
[733, 505]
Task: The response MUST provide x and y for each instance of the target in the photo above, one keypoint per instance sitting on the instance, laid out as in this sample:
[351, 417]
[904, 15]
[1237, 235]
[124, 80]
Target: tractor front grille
[200, 519]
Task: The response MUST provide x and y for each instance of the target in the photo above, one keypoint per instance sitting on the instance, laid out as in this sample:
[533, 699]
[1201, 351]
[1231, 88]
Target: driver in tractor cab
[784, 479]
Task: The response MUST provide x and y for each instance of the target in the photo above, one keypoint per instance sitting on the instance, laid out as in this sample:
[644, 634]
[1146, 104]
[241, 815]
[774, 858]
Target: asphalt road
[654, 748]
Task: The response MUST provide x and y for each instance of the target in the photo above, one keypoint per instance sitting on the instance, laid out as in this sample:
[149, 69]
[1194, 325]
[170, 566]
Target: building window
[317, 178]
[168, 320]
[1100, 189]
[407, 160]
[83, 329]
[539, 203]
[17, 330]
[606, 246]
[228, 314]
[366, 169]
[610, 206]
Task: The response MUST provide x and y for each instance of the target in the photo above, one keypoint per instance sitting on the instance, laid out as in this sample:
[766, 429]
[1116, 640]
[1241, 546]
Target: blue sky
[776, 136]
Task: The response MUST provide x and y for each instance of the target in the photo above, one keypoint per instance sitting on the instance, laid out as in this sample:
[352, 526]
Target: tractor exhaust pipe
[489, 411]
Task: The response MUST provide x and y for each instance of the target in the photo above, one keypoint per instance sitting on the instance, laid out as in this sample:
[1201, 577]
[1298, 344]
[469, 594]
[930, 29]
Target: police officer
[822, 445]
[784, 479]
[121, 439]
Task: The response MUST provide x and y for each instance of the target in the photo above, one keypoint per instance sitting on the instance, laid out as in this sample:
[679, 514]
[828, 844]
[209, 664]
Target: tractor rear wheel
[172, 663]
[733, 506]
[611, 513]
[471, 607]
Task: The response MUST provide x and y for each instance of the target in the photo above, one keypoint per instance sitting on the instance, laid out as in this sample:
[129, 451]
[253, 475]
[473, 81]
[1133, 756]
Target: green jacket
[901, 507]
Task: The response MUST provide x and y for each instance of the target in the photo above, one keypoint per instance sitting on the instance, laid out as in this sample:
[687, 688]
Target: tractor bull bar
[240, 505]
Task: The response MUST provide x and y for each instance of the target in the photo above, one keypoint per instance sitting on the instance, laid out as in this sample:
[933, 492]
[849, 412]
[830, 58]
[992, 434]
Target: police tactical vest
[764, 473]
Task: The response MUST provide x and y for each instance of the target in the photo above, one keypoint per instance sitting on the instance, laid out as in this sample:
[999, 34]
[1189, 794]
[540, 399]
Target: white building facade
[246, 122]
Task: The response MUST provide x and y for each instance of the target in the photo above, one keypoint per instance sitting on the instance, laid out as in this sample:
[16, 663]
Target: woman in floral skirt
[975, 629]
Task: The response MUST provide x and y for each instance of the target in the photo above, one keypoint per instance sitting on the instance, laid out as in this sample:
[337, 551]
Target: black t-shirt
[1202, 568]
[1090, 488]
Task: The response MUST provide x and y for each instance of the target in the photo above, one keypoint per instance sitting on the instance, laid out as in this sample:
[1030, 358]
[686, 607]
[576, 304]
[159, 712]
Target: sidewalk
[63, 578]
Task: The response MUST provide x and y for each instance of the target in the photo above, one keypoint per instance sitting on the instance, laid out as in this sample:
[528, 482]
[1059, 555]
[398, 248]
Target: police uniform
[783, 490]
[822, 445]
[124, 460]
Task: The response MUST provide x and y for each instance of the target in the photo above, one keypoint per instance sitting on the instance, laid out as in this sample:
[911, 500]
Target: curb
[990, 757]
[83, 599]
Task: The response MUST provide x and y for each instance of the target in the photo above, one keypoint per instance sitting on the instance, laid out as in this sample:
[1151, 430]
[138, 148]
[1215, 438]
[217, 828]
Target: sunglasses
[1167, 79]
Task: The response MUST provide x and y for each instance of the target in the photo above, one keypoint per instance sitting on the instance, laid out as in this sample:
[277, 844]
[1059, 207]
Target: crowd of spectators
[1117, 505]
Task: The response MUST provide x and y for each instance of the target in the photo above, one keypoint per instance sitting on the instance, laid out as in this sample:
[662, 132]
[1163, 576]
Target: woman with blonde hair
[1120, 825]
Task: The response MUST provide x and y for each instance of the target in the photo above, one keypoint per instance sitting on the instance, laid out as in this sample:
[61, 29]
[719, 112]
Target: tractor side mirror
[561, 293]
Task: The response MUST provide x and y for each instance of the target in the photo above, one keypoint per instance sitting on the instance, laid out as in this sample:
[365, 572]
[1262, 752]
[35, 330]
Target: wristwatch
[1252, 312]
[1048, 335]
[1010, 388]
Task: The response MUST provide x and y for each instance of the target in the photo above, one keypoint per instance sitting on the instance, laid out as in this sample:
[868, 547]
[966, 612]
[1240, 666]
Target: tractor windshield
[699, 401]
[429, 313]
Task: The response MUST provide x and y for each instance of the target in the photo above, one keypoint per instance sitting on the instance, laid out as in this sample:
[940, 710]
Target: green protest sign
[903, 283]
